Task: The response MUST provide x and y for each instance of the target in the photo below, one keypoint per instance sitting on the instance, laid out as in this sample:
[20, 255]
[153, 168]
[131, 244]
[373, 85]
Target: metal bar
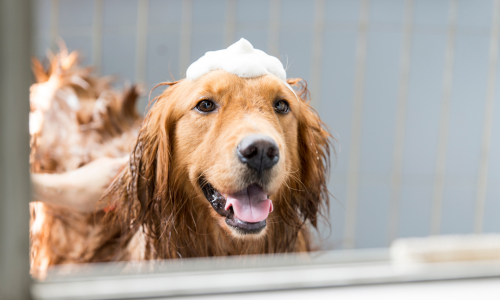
[400, 126]
[439, 181]
[97, 36]
[230, 26]
[54, 22]
[186, 28]
[274, 28]
[15, 79]
[317, 52]
[482, 179]
[142, 41]
[357, 125]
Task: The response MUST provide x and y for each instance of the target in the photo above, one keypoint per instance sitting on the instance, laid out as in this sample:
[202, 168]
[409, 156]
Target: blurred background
[408, 88]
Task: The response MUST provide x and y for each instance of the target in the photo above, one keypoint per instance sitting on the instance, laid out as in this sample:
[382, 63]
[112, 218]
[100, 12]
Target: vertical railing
[54, 22]
[317, 52]
[142, 41]
[356, 130]
[274, 27]
[400, 125]
[440, 173]
[15, 192]
[230, 24]
[185, 39]
[482, 180]
[97, 36]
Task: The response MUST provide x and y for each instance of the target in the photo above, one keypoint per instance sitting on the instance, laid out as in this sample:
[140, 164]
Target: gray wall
[408, 87]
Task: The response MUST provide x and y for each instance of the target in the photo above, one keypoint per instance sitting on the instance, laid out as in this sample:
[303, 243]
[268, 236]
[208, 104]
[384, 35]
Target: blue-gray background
[407, 87]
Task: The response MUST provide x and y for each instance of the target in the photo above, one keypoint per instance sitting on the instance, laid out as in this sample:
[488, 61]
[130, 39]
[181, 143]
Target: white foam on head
[240, 59]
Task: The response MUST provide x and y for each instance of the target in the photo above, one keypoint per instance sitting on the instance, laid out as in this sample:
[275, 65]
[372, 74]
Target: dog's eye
[206, 106]
[281, 107]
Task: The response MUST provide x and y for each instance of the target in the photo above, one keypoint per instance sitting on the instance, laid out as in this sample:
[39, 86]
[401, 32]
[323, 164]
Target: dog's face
[233, 150]
[237, 139]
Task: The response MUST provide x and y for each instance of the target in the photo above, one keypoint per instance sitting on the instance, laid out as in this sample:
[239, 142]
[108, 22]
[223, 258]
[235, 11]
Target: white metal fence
[409, 88]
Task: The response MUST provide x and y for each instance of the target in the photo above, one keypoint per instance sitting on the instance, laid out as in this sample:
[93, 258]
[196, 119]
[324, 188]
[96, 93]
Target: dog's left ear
[314, 151]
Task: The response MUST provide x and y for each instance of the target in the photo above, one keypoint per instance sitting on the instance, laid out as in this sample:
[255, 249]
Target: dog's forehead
[221, 83]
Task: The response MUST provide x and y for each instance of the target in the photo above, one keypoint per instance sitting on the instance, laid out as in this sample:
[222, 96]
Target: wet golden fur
[65, 137]
[157, 201]
[155, 207]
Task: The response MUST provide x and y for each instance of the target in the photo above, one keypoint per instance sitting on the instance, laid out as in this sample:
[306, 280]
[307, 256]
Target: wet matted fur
[156, 208]
[75, 118]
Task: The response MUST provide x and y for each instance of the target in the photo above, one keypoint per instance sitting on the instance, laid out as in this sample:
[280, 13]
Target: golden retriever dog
[222, 165]
[209, 155]
[75, 119]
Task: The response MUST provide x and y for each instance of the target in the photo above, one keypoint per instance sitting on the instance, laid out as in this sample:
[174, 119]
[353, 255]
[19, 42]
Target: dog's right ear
[141, 186]
[136, 198]
[150, 160]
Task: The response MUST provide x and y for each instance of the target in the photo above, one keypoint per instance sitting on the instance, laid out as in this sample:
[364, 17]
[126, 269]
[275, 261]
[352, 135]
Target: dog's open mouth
[246, 210]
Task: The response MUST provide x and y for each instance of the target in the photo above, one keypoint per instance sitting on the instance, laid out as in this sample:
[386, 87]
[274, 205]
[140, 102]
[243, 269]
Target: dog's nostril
[259, 152]
[272, 152]
[249, 152]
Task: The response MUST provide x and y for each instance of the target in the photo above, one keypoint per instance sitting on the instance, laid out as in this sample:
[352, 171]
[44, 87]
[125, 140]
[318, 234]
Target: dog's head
[243, 151]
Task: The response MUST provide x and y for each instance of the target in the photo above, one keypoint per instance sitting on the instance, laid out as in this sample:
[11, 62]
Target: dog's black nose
[259, 152]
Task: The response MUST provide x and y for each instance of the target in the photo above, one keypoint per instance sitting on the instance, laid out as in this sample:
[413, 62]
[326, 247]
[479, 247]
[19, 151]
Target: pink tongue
[250, 204]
